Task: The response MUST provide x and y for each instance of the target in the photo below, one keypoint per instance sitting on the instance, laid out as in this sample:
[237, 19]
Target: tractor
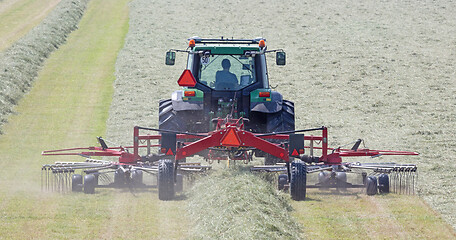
[227, 78]
[227, 111]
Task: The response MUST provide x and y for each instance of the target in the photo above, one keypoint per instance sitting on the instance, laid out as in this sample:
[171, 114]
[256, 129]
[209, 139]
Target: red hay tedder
[235, 143]
[226, 111]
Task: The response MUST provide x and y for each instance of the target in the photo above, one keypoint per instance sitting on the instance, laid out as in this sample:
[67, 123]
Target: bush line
[20, 64]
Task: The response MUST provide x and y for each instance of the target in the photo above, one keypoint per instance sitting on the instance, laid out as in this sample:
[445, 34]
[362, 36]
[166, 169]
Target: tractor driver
[225, 80]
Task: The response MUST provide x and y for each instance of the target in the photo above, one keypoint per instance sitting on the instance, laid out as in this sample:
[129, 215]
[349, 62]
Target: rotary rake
[228, 142]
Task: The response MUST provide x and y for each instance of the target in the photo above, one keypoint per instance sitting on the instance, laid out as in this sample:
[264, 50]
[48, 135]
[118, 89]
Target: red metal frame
[242, 139]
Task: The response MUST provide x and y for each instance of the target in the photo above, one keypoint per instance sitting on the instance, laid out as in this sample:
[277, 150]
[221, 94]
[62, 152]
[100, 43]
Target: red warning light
[186, 79]
[231, 139]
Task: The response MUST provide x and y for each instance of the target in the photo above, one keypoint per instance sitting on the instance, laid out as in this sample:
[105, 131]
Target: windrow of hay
[236, 204]
[19, 64]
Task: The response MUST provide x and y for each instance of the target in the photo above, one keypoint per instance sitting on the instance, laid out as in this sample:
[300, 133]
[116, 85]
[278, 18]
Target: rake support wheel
[383, 183]
[298, 180]
[76, 183]
[165, 179]
[90, 182]
[283, 179]
[371, 186]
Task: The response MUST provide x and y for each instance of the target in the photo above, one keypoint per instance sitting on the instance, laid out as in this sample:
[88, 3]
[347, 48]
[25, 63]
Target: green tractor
[226, 78]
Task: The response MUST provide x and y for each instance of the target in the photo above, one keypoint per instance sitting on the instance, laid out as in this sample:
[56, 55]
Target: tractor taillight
[191, 43]
[265, 94]
[189, 93]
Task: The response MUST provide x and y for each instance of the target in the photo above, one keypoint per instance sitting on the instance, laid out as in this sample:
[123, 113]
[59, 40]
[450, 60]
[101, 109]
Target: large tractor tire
[298, 180]
[281, 121]
[165, 179]
[182, 121]
[168, 118]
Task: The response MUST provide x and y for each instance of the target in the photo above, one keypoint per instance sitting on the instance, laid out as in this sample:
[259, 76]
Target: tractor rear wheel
[281, 121]
[165, 179]
[298, 180]
[182, 121]
[76, 183]
[168, 118]
[89, 184]
[371, 186]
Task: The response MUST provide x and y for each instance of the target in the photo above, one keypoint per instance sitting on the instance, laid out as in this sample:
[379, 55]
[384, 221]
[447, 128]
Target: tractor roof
[225, 45]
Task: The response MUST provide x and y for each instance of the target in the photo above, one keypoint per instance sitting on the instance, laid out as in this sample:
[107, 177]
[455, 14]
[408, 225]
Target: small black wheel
[165, 179]
[76, 183]
[383, 184]
[298, 180]
[371, 185]
[89, 184]
[179, 187]
[341, 179]
[283, 179]
[137, 178]
[323, 177]
[119, 178]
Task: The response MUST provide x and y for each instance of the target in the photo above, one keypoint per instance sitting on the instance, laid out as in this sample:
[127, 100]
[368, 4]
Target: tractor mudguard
[180, 102]
[270, 104]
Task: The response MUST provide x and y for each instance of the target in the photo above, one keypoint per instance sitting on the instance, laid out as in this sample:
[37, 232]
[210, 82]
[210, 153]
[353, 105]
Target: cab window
[226, 72]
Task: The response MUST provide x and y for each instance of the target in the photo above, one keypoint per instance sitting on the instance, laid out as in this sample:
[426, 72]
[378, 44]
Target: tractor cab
[223, 77]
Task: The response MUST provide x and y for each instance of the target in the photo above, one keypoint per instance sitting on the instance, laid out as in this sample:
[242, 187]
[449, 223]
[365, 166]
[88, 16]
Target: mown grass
[354, 215]
[236, 204]
[20, 16]
[19, 64]
[68, 106]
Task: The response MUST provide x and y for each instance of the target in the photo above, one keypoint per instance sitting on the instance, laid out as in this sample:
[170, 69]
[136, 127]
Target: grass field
[360, 68]
[19, 16]
[68, 105]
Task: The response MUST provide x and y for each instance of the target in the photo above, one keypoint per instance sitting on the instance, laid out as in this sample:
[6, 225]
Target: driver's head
[226, 64]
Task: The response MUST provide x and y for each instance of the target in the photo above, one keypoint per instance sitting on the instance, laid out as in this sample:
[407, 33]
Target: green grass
[19, 16]
[67, 106]
[354, 215]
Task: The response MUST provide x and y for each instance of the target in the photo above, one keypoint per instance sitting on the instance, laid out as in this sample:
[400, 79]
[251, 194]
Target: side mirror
[281, 58]
[170, 58]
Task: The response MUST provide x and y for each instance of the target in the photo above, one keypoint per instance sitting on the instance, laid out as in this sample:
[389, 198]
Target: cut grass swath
[20, 16]
[67, 106]
[236, 204]
[19, 64]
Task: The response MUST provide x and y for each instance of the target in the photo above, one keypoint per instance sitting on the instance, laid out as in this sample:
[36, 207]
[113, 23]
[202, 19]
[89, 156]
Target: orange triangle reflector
[295, 153]
[170, 152]
[231, 139]
[186, 79]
